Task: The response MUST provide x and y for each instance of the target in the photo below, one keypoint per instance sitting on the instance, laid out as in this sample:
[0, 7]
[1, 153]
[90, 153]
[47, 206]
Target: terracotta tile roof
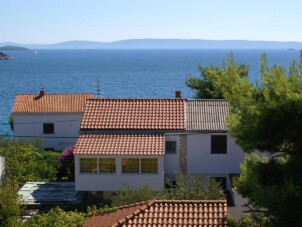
[126, 144]
[166, 213]
[134, 114]
[111, 218]
[207, 115]
[49, 103]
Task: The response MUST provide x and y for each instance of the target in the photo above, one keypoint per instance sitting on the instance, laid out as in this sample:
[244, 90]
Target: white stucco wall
[113, 182]
[201, 161]
[171, 161]
[65, 125]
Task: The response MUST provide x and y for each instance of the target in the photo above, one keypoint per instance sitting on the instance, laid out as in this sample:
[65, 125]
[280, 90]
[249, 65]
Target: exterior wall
[201, 161]
[116, 181]
[171, 161]
[30, 125]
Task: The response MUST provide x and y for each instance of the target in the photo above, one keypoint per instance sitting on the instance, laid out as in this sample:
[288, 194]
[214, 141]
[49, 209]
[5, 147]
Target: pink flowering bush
[67, 165]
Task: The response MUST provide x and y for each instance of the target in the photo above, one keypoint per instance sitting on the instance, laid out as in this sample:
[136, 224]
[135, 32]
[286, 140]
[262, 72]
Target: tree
[267, 117]
[204, 87]
[26, 161]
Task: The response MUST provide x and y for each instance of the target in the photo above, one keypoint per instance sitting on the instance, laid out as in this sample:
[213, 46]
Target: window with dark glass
[170, 147]
[130, 165]
[218, 144]
[107, 165]
[88, 165]
[149, 165]
[48, 128]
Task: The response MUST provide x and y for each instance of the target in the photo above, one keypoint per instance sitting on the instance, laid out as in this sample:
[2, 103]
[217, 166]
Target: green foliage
[66, 170]
[250, 220]
[93, 211]
[187, 187]
[11, 122]
[268, 117]
[130, 195]
[57, 217]
[10, 205]
[205, 88]
[25, 161]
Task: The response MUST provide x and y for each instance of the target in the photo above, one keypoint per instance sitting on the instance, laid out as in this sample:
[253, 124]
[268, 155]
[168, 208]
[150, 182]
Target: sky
[53, 21]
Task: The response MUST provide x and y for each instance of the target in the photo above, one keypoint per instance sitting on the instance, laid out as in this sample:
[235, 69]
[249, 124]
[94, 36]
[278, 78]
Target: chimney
[178, 94]
[42, 91]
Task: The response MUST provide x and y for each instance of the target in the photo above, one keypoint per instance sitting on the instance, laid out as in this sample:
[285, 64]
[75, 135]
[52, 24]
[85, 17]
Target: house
[165, 213]
[55, 118]
[146, 141]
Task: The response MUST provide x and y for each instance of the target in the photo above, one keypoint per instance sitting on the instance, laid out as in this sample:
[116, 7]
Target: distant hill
[13, 48]
[165, 44]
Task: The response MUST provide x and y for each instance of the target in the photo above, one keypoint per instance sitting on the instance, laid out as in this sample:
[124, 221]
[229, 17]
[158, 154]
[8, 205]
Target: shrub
[57, 217]
[67, 165]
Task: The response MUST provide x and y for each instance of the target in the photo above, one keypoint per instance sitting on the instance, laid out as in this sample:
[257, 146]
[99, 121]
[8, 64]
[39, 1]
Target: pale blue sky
[51, 21]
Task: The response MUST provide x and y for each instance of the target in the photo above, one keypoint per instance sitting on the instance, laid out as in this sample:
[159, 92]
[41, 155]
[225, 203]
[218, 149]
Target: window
[130, 165]
[149, 165]
[88, 165]
[170, 147]
[107, 165]
[48, 128]
[219, 144]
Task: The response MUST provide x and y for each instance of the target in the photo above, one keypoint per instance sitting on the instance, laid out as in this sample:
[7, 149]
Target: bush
[10, 205]
[130, 195]
[57, 217]
[26, 161]
[93, 211]
[67, 165]
[187, 187]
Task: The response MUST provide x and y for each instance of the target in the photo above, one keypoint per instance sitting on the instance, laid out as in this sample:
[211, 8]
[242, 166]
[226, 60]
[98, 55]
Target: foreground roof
[50, 103]
[104, 113]
[164, 213]
[207, 114]
[116, 144]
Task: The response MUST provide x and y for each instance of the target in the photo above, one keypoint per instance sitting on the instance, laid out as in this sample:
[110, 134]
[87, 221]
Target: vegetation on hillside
[13, 48]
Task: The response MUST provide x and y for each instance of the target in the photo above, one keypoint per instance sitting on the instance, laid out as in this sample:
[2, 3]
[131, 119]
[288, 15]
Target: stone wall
[183, 163]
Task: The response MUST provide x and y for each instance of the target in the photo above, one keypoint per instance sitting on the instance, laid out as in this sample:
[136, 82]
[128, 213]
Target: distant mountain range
[164, 44]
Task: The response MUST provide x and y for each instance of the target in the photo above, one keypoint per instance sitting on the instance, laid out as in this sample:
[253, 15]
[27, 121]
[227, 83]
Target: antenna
[98, 89]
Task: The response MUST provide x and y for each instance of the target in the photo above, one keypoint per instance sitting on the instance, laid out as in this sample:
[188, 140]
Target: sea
[117, 73]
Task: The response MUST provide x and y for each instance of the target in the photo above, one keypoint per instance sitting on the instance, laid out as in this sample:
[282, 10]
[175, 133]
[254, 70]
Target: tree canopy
[266, 116]
[204, 87]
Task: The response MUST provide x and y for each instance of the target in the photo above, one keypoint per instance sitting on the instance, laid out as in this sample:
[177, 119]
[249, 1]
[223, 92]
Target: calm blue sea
[122, 73]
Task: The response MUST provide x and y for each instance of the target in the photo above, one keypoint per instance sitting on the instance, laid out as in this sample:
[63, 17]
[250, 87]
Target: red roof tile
[50, 103]
[134, 114]
[166, 212]
[111, 218]
[126, 144]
